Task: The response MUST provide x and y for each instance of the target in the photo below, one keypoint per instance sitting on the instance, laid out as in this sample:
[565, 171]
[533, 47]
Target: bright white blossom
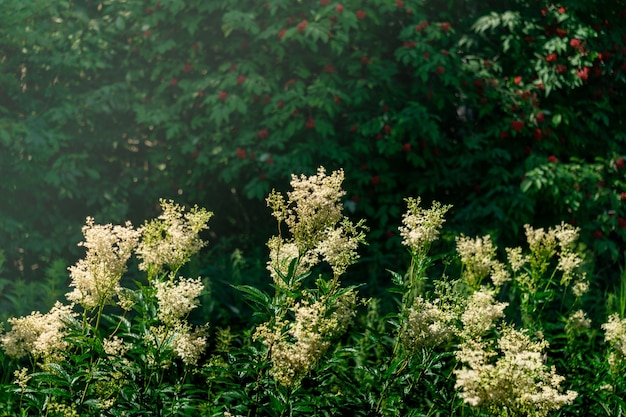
[421, 226]
[297, 346]
[512, 376]
[428, 324]
[615, 336]
[96, 277]
[478, 256]
[177, 299]
[313, 215]
[481, 313]
[38, 335]
[171, 239]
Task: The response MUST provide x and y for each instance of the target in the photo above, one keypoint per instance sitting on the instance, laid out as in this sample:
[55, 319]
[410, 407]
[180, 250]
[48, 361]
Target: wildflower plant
[498, 333]
[113, 348]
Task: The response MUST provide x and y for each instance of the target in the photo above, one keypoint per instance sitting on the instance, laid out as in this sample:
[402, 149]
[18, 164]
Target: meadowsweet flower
[282, 254]
[190, 345]
[339, 247]
[172, 238]
[577, 323]
[314, 206]
[511, 376]
[115, 346]
[542, 246]
[297, 346]
[95, 278]
[566, 235]
[176, 300]
[312, 213]
[580, 287]
[615, 336]
[428, 324]
[568, 264]
[22, 377]
[516, 259]
[38, 335]
[481, 313]
[421, 226]
[478, 256]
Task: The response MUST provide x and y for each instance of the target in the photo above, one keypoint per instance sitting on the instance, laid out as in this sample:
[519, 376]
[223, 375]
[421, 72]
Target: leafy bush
[109, 105]
[483, 337]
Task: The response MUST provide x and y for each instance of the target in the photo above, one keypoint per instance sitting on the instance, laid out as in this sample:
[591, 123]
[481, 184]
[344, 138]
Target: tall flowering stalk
[304, 323]
[421, 324]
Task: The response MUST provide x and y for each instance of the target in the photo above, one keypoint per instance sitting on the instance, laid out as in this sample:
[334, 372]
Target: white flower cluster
[172, 238]
[512, 377]
[38, 335]
[615, 336]
[428, 324]
[187, 342]
[421, 226]
[96, 277]
[481, 313]
[177, 299]
[296, 346]
[319, 231]
[478, 256]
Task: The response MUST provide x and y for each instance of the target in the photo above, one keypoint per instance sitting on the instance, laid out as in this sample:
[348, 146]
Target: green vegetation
[507, 113]
[484, 338]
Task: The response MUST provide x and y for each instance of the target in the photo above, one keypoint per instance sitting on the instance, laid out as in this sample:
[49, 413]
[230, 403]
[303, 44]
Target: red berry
[619, 163]
[310, 123]
[365, 60]
[324, 2]
[241, 79]
[583, 73]
[356, 198]
[339, 8]
[173, 82]
[553, 159]
[241, 153]
[517, 125]
[517, 80]
[302, 26]
[399, 4]
[444, 27]
[375, 180]
[387, 130]
[222, 95]
[440, 70]
[538, 134]
[147, 33]
[282, 33]
[540, 117]
[621, 223]
[360, 14]
[598, 234]
[187, 68]
[406, 147]
[263, 133]
[201, 93]
[552, 57]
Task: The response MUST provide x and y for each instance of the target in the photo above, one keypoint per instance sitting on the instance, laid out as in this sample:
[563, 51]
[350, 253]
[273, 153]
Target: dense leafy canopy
[509, 110]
